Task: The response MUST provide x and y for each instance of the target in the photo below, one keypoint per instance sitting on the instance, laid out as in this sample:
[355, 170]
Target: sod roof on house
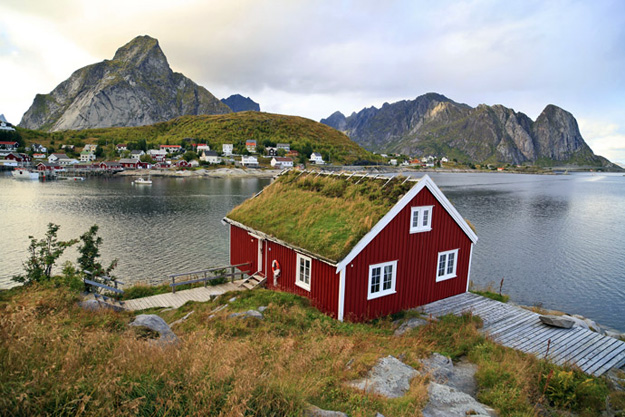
[324, 214]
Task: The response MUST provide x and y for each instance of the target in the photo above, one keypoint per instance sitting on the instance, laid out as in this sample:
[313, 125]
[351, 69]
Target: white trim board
[424, 182]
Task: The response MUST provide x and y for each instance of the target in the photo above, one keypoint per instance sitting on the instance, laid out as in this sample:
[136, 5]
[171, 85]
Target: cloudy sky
[313, 57]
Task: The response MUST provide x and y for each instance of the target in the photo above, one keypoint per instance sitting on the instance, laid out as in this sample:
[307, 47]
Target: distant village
[192, 155]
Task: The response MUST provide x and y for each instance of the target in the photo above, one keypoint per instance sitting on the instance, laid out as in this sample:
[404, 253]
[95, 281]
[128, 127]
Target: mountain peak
[140, 49]
[239, 103]
[136, 88]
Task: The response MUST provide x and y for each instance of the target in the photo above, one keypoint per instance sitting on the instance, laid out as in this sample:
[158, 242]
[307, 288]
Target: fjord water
[558, 241]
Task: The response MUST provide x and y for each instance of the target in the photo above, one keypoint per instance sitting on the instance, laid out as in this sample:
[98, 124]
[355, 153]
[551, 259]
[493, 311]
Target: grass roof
[323, 214]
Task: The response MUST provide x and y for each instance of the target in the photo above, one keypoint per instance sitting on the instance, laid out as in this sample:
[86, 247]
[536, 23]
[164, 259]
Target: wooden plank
[452, 308]
[544, 332]
[548, 339]
[525, 335]
[509, 323]
[543, 350]
[607, 357]
[566, 347]
[602, 345]
[616, 362]
[446, 303]
[477, 308]
[580, 351]
[520, 335]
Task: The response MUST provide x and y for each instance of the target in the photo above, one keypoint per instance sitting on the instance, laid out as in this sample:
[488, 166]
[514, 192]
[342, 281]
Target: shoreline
[203, 173]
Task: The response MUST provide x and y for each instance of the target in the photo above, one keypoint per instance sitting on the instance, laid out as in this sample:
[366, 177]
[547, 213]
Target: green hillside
[267, 129]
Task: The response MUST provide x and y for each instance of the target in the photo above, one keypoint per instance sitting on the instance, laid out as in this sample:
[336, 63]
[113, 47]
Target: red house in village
[358, 246]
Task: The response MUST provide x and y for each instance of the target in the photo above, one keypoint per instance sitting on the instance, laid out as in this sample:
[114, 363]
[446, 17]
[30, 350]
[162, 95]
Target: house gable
[416, 257]
[425, 182]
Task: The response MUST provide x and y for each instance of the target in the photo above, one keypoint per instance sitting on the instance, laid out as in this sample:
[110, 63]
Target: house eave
[270, 238]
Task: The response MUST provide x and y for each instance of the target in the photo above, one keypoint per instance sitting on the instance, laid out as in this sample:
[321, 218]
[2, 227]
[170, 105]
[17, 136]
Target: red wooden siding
[243, 249]
[417, 261]
[324, 282]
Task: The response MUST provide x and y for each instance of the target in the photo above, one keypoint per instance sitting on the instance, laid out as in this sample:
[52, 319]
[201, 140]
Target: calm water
[559, 241]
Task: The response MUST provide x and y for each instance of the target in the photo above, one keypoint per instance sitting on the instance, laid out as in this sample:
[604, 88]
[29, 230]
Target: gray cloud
[325, 55]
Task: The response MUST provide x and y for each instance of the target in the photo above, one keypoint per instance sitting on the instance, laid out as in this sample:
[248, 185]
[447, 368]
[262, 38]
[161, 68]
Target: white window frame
[382, 292]
[419, 213]
[444, 257]
[299, 281]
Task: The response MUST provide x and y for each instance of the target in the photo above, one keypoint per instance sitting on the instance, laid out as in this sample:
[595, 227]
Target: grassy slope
[326, 215]
[60, 360]
[218, 129]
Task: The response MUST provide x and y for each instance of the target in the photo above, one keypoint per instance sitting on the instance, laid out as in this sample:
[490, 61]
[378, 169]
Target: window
[447, 265]
[302, 278]
[382, 279]
[421, 219]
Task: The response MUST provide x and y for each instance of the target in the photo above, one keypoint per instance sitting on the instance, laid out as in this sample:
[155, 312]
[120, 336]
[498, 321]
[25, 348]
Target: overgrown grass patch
[61, 360]
[493, 295]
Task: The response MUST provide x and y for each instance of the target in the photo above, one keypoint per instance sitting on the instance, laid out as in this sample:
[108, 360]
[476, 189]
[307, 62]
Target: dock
[177, 299]
[520, 329]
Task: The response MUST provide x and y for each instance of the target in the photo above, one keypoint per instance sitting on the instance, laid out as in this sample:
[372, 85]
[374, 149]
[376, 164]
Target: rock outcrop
[137, 87]
[238, 103]
[432, 124]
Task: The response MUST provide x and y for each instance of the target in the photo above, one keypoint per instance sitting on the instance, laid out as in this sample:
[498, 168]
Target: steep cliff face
[434, 124]
[238, 103]
[137, 87]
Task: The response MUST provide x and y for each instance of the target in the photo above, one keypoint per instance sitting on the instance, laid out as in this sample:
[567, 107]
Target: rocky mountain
[432, 124]
[137, 87]
[239, 103]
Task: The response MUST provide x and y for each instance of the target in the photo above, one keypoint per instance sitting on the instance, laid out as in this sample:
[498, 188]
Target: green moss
[326, 215]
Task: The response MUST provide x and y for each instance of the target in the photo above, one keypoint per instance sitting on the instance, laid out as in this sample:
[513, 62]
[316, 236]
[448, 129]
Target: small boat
[142, 181]
[25, 174]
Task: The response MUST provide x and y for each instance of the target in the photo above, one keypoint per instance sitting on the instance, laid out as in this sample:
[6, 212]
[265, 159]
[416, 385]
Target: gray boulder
[157, 324]
[314, 411]
[409, 325]
[390, 378]
[442, 370]
[438, 367]
[557, 321]
[248, 314]
[447, 402]
[96, 305]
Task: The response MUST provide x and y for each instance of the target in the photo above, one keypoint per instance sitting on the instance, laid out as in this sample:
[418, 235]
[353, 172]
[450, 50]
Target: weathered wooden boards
[520, 329]
[179, 298]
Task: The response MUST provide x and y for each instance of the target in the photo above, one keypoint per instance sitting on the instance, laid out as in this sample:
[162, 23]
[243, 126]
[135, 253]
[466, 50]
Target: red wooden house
[359, 247]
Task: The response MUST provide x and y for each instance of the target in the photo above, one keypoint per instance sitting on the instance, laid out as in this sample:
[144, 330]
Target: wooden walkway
[180, 297]
[520, 329]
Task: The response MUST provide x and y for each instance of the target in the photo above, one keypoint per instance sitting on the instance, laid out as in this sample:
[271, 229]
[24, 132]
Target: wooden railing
[111, 286]
[202, 276]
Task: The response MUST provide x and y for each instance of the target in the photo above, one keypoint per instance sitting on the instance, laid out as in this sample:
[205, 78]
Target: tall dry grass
[60, 360]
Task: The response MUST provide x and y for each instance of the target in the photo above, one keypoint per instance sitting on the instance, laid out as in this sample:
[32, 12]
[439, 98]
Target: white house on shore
[86, 156]
[316, 158]
[227, 149]
[280, 162]
[249, 161]
[61, 159]
[157, 154]
[211, 157]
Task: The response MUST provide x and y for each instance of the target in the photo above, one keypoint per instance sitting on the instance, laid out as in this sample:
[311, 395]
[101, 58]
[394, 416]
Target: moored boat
[25, 174]
[142, 181]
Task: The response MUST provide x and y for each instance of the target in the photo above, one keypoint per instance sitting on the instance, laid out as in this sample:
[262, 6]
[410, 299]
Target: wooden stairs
[254, 281]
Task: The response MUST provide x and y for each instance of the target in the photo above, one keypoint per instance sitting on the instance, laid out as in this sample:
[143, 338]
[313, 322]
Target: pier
[520, 329]
[177, 299]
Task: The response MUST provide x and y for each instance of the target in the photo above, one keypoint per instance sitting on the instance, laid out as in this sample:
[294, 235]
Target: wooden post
[232, 272]
[173, 287]
[205, 279]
